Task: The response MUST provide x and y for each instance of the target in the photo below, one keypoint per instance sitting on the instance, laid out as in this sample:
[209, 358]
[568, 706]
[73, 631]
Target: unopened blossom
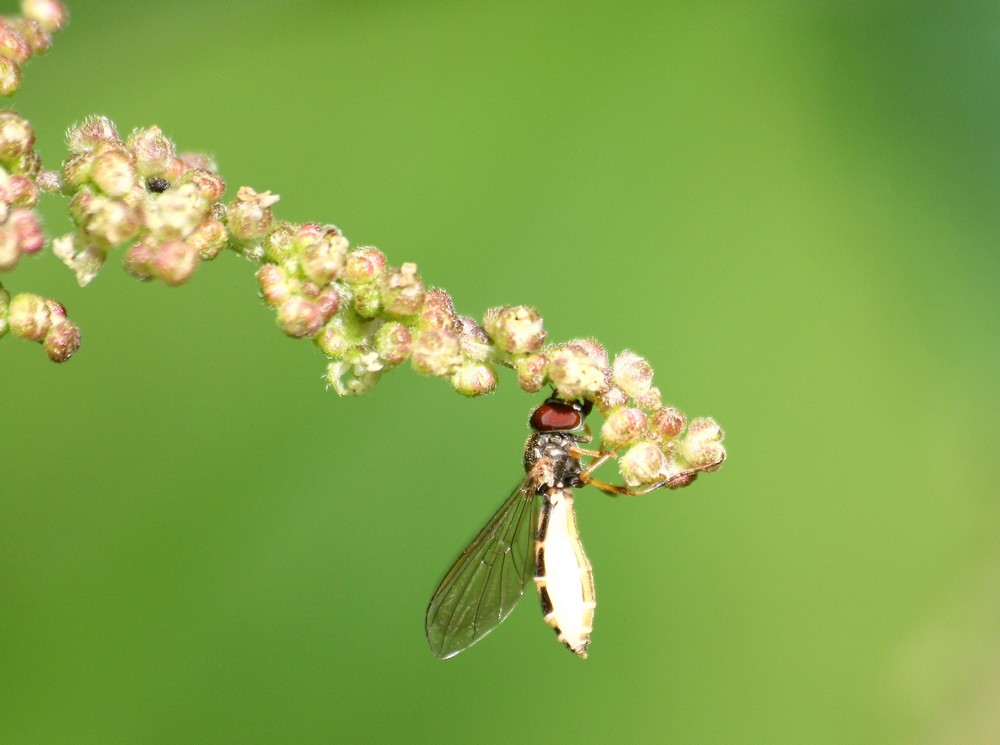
[575, 373]
[393, 342]
[436, 352]
[249, 216]
[632, 373]
[643, 463]
[438, 311]
[28, 316]
[402, 291]
[532, 371]
[623, 426]
[364, 264]
[154, 152]
[474, 379]
[91, 132]
[51, 15]
[516, 329]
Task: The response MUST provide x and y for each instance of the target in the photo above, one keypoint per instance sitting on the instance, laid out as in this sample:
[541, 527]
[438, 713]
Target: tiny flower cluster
[22, 37]
[138, 191]
[39, 319]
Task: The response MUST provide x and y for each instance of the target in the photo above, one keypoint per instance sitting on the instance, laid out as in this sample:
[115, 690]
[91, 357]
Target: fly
[532, 536]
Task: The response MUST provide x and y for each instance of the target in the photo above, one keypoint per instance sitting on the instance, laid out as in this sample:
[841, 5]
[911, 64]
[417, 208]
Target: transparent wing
[485, 583]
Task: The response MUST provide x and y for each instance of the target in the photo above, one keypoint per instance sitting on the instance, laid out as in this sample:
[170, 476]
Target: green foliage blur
[788, 208]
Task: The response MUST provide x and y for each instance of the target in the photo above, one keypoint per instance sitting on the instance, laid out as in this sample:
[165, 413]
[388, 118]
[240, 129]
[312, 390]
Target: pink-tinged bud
[624, 426]
[632, 373]
[364, 264]
[112, 172]
[28, 164]
[279, 244]
[339, 336]
[28, 316]
[274, 286]
[474, 379]
[438, 311]
[16, 136]
[39, 40]
[574, 372]
[328, 301]
[532, 371]
[175, 262]
[249, 215]
[346, 379]
[174, 171]
[13, 45]
[322, 252]
[705, 428]
[393, 342]
[10, 248]
[367, 300]
[299, 317]
[667, 422]
[28, 229]
[210, 185]
[402, 291]
[436, 352]
[19, 191]
[10, 77]
[176, 213]
[515, 329]
[138, 260]
[609, 399]
[209, 238]
[91, 132]
[154, 151]
[643, 463]
[62, 341]
[49, 14]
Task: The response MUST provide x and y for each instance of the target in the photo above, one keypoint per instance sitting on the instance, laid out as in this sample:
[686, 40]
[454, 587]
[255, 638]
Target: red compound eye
[555, 416]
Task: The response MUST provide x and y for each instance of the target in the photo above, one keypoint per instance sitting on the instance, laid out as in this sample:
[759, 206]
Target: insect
[532, 536]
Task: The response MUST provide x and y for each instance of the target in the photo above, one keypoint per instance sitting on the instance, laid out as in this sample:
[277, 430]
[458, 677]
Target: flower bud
[37, 38]
[28, 230]
[632, 373]
[364, 264]
[438, 311]
[28, 316]
[209, 184]
[274, 286]
[393, 342]
[154, 151]
[402, 291]
[19, 191]
[532, 371]
[88, 134]
[62, 341]
[209, 238]
[515, 329]
[328, 301]
[705, 455]
[624, 426]
[436, 352]
[10, 77]
[299, 317]
[138, 261]
[574, 372]
[16, 136]
[175, 262]
[249, 215]
[667, 422]
[338, 336]
[643, 463]
[112, 172]
[322, 252]
[13, 45]
[474, 379]
[279, 244]
[51, 15]
[367, 300]
[651, 399]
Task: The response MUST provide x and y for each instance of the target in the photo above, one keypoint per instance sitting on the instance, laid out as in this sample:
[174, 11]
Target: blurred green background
[788, 208]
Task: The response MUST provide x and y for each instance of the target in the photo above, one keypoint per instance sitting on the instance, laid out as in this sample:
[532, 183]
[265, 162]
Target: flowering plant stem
[167, 214]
